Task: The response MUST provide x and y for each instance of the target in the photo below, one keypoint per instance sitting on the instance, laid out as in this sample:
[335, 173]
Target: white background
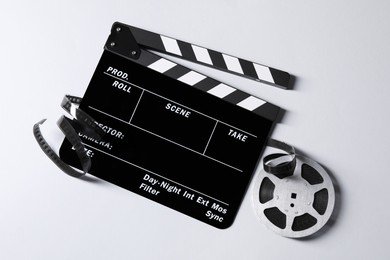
[337, 113]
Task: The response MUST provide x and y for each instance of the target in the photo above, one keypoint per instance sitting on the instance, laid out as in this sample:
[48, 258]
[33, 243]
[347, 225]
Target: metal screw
[118, 29]
[134, 53]
[112, 44]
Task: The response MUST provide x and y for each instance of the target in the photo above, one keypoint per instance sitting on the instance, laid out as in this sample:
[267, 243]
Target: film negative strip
[294, 195]
[82, 121]
[171, 134]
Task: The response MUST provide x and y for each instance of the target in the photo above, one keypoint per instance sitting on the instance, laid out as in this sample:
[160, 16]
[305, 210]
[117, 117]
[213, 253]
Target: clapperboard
[173, 135]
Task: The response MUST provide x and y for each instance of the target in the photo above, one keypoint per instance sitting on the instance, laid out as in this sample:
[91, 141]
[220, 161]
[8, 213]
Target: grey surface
[338, 114]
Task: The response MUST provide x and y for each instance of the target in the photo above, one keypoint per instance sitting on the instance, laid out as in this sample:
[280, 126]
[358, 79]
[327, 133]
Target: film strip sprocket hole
[84, 121]
[293, 196]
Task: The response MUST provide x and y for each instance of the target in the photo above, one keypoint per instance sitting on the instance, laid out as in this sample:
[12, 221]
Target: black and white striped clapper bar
[135, 43]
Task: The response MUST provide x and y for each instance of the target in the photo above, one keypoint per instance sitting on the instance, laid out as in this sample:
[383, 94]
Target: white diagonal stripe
[162, 65]
[251, 103]
[263, 73]
[232, 63]
[221, 90]
[191, 78]
[171, 45]
[202, 54]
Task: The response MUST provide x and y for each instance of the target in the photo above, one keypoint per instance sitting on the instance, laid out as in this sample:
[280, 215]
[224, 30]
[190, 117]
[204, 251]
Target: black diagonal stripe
[268, 111]
[186, 50]
[281, 78]
[236, 96]
[206, 84]
[146, 58]
[148, 39]
[248, 68]
[177, 71]
[217, 59]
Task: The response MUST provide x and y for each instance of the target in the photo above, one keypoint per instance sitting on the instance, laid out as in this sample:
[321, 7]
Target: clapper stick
[135, 43]
[209, 57]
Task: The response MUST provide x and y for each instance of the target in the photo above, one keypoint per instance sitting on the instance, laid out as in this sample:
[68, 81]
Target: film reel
[293, 196]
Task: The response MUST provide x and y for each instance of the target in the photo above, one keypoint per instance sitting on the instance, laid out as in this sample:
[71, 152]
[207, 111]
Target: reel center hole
[293, 196]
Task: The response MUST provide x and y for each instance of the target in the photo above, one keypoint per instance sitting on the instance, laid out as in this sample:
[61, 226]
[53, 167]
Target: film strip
[293, 196]
[137, 100]
[82, 122]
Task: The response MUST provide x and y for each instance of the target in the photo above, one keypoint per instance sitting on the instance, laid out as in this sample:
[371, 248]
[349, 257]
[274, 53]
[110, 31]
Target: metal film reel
[297, 204]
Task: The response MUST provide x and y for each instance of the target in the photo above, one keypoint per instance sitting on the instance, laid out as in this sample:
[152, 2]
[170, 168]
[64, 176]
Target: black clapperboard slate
[173, 135]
